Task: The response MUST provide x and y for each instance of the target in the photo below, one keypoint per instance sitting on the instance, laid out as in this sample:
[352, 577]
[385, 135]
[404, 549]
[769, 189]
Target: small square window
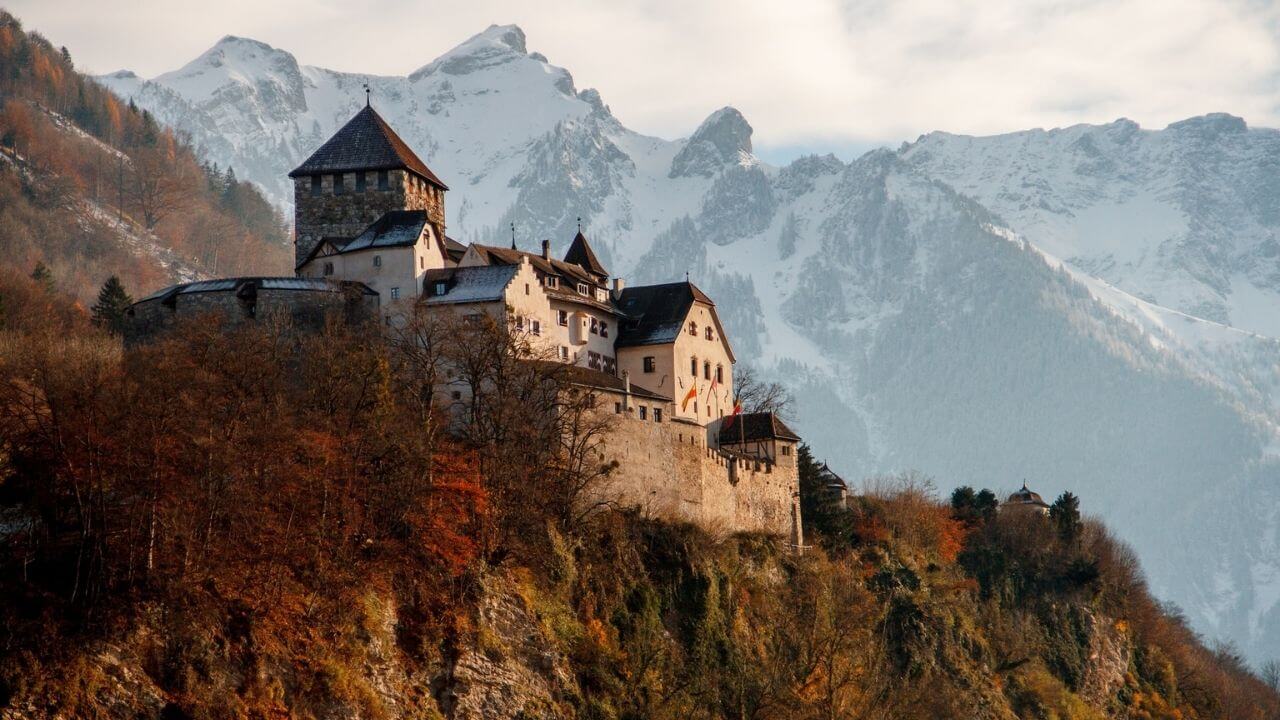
[650, 364]
[384, 180]
[562, 317]
[395, 293]
[535, 327]
[617, 408]
[457, 395]
[442, 287]
[553, 282]
[644, 413]
[657, 414]
[564, 353]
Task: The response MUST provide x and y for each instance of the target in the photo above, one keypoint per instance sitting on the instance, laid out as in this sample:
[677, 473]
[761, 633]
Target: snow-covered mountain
[1086, 308]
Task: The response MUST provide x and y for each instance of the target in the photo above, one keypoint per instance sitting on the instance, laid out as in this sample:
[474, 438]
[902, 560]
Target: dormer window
[442, 287]
[582, 289]
[553, 282]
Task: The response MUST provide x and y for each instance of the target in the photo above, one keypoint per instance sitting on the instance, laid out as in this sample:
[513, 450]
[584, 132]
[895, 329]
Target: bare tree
[1270, 674]
[756, 395]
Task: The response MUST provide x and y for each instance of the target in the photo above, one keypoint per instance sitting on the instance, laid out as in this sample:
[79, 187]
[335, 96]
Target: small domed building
[1025, 500]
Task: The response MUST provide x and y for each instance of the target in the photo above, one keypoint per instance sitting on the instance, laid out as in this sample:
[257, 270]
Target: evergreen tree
[973, 508]
[1065, 513]
[108, 312]
[43, 277]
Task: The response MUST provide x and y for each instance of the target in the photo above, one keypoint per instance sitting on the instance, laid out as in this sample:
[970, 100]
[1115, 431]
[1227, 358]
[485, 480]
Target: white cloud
[805, 72]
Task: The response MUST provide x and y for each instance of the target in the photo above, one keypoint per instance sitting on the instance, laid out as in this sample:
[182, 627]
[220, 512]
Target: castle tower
[363, 172]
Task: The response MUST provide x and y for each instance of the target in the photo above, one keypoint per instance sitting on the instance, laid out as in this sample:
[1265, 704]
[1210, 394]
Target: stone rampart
[669, 470]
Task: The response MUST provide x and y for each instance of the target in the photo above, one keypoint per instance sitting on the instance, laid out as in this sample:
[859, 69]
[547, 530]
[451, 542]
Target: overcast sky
[808, 74]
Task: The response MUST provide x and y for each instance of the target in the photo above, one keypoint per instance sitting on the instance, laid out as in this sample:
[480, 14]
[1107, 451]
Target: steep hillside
[1015, 335]
[231, 538]
[91, 186]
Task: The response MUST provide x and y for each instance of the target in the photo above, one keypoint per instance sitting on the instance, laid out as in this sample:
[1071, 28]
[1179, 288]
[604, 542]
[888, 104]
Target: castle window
[316, 185]
[395, 293]
[693, 366]
[617, 408]
[562, 317]
[535, 327]
[377, 261]
[339, 187]
[384, 180]
[657, 414]
[328, 269]
[720, 374]
[708, 333]
[610, 365]
[706, 370]
[604, 329]
[360, 182]
[650, 364]
[644, 413]
[693, 330]
[595, 326]
[593, 360]
[564, 353]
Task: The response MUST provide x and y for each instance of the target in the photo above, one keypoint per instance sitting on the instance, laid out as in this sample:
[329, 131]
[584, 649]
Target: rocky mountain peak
[495, 45]
[723, 139]
[1211, 124]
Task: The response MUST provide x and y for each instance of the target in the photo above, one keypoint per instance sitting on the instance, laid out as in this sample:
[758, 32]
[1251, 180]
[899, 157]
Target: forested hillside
[253, 523]
[92, 187]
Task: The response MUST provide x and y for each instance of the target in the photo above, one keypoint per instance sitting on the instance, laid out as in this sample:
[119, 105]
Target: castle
[371, 235]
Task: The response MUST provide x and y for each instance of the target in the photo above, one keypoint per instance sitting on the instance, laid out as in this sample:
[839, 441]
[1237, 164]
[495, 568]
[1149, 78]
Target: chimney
[546, 249]
[617, 288]
[626, 389]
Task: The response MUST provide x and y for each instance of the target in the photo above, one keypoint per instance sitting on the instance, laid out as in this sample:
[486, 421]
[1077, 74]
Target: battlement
[674, 470]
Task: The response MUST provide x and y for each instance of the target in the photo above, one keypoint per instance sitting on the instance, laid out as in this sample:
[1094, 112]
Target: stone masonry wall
[345, 215]
[668, 470]
[303, 309]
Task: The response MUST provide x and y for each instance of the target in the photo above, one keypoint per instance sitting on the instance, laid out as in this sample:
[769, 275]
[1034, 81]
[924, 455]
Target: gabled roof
[397, 228]
[366, 142]
[751, 427]
[655, 313]
[476, 283]
[568, 272]
[581, 254]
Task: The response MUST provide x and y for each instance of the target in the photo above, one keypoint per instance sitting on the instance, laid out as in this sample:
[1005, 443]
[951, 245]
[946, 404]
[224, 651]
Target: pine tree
[43, 277]
[108, 312]
[1065, 513]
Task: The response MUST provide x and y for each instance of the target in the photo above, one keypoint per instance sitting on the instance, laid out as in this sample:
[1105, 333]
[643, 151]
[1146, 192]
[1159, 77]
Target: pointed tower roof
[581, 254]
[366, 142]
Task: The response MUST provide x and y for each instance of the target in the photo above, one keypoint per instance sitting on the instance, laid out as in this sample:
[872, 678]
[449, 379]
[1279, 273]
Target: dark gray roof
[579, 375]
[263, 283]
[395, 228]
[366, 142]
[581, 254]
[655, 313]
[750, 427]
[477, 283]
[1026, 497]
[569, 273]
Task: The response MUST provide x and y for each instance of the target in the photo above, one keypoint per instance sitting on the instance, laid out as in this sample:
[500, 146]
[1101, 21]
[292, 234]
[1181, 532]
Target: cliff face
[645, 620]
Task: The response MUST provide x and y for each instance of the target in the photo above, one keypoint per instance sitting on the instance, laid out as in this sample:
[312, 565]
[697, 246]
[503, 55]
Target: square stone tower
[361, 173]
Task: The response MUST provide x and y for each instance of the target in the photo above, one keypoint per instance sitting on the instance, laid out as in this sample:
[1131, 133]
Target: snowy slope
[1088, 308]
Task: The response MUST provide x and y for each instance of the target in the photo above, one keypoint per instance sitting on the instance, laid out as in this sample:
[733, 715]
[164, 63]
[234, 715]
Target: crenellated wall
[668, 470]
